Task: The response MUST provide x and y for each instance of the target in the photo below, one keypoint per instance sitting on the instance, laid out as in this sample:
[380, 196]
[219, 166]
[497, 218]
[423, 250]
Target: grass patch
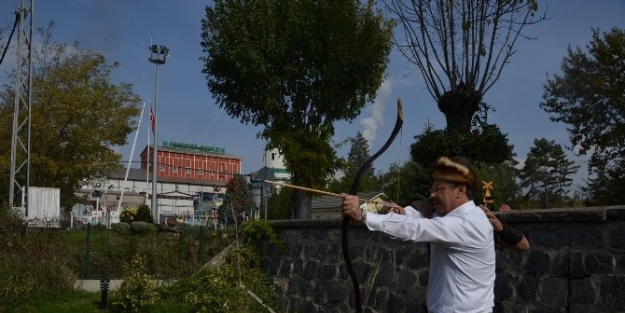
[73, 301]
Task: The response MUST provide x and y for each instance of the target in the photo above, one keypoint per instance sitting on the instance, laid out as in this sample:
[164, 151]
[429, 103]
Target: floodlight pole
[158, 55]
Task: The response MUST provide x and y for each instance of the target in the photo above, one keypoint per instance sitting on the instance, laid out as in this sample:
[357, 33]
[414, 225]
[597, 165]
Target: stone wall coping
[580, 214]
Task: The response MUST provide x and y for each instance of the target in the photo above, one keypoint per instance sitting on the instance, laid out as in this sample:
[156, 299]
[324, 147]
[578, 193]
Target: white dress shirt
[462, 255]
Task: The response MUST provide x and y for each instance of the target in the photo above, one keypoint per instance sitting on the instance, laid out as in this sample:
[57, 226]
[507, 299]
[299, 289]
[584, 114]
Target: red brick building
[191, 161]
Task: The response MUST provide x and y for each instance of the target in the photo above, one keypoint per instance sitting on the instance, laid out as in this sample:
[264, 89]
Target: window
[200, 172]
[161, 167]
[187, 170]
[174, 169]
[273, 156]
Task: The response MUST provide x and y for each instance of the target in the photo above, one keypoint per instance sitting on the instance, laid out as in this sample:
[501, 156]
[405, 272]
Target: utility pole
[158, 55]
[20, 143]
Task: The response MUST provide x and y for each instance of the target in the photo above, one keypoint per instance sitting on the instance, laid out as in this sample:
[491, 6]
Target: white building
[274, 170]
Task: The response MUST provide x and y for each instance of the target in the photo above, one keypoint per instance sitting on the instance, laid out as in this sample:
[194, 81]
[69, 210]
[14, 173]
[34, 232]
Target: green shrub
[187, 228]
[256, 232]
[10, 221]
[138, 288]
[140, 214]
[144, 214]
[142, 228]
[33, 265]
[121, 228]
[128, 215]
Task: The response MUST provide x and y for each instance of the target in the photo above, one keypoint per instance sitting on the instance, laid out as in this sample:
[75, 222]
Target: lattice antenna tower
[20, 144]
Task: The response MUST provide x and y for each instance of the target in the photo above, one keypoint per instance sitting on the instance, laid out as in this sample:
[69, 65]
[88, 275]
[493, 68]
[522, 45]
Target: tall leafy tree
[78, 117]
[358, 154]
[546, 173]
[588, 97]
[295, 68]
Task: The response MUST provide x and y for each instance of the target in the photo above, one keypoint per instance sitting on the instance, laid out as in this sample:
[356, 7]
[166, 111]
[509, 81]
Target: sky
[124, 29]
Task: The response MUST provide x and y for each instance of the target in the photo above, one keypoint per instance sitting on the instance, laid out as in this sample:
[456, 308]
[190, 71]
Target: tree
[238, 199]
[588, 97]
[506, 189]
[484, 145]
[296, 67]
[78, 117]
[460, 47]
[358, 154]
[563, 170]
[405, 183]
[546, 172]
[280, 204]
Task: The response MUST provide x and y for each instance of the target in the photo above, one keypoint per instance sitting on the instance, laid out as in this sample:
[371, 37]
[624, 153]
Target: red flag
[152, 119]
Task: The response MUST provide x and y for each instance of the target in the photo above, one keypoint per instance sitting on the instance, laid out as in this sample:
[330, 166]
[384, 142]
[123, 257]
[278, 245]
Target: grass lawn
[78, 301]
[75, 301]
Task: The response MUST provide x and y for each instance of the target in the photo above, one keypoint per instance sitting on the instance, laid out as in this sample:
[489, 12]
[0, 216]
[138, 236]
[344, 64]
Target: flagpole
[132, 151]
[147, 165]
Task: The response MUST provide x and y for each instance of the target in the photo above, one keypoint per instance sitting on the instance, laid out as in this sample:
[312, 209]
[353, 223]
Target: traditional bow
[352, 191]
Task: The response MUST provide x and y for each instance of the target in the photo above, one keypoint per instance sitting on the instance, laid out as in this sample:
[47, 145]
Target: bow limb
[352, 191]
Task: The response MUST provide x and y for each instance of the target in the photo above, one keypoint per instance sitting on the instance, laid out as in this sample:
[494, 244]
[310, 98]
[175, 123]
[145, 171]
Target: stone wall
[576, 264]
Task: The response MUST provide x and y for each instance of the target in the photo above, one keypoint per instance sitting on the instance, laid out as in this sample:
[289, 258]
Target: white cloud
[372, 123]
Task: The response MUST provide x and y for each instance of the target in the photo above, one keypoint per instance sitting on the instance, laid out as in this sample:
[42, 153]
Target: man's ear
[462, 189]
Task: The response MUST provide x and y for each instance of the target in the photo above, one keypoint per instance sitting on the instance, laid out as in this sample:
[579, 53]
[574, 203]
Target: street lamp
[158, 55]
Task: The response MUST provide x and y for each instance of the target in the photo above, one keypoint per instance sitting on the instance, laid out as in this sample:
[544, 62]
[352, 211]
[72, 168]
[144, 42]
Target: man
[506, 236]
[462, 258]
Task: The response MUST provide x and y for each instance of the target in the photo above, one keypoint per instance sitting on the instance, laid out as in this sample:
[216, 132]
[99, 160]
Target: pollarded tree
[460, 47]
[589, 98]
[296, 68]
[485, 145]
[78, 117]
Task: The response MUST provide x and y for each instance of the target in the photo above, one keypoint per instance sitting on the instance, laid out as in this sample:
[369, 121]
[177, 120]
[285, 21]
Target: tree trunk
[459, 106]
[302, 203]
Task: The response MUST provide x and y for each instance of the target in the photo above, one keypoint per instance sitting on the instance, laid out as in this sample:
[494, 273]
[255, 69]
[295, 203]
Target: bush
[140, 214]
[142, 228]
[10, 221]
[128, 215]
[138, 288]
[121, 228]
[144, 214]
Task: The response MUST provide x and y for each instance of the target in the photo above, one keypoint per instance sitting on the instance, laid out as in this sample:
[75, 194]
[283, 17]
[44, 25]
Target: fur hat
[457, 169]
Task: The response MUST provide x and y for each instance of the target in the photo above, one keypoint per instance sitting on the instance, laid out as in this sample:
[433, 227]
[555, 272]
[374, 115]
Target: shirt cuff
[374, 221]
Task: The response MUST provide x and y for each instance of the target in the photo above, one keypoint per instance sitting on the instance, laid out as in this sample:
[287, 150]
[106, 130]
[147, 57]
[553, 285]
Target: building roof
[192, 152]
[139, 174]
[333, 203]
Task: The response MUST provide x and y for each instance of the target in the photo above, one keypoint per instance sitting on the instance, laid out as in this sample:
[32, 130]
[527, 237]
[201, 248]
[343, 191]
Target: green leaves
[296, 68]
[588, 97]
[546, 174]
[78, 117]
[487, 146]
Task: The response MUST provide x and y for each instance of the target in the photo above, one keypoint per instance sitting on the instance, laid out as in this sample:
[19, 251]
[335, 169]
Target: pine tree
[358, 155]
[546, 172]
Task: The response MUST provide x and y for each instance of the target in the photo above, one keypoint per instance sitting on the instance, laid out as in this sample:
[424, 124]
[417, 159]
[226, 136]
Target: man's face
[443, 196]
